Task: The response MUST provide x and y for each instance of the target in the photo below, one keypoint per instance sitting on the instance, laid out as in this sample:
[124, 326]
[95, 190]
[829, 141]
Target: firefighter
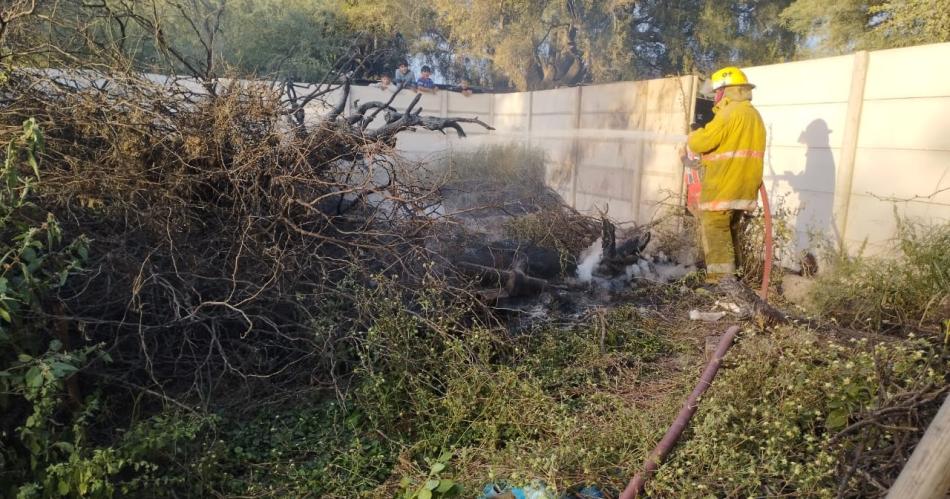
[732, 147]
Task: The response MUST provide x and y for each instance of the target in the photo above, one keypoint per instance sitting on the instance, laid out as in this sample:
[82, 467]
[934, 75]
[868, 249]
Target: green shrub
[791, 414]
[545, 404]
[163, 455]
[34, 366]
[907, 286]
[751, 255]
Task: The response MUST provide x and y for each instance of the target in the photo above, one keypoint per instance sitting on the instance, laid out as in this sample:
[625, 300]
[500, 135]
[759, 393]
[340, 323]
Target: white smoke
[590, 258]
[657, 269]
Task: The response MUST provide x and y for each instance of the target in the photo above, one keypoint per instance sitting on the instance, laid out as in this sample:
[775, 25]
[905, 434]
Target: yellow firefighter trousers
[720, 232]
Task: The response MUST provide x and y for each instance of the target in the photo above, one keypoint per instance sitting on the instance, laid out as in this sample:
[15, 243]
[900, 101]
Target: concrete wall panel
[508, 123]
[623, 96]
[556, 150]
[877, 223]
[478, 104]
[902, 174]
[423, 142]
[558, 122]
[803, 82]
[560, 176]
[618, 120]
[659, 157]
[815, 125]
[606, 182]
[516, 103]
[599, 153]
[920, 71]
[801, 168]
[561, 100]
[906, 123]
[667, 95]
[619, 209]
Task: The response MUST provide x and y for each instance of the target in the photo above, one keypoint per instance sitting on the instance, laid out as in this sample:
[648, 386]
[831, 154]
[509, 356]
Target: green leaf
[24, 357]
[424, 494]
[5, 315]
[31, 159]
[431, 484]
[34, 377]
[446, 456]
[55, 345]
[853, 390]
[63, 487]
[437, 468]
[62, 369]
[836, 419]
[445, 485]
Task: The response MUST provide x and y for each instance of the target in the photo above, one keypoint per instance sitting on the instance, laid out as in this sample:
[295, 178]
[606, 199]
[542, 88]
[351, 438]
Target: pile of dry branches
[220, 225]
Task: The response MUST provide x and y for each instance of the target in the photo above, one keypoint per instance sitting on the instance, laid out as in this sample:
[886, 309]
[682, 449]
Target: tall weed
[906, 287]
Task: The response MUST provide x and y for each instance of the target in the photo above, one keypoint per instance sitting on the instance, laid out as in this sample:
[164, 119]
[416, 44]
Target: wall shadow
[815, 185]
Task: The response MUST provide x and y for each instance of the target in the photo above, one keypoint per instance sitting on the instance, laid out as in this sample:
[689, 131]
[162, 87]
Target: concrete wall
[608, 147]
[805, 126]
[853, 138]
[850, 139]
[903, 142]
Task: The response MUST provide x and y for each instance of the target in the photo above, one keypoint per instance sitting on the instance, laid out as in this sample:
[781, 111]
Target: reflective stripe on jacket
[733, 148]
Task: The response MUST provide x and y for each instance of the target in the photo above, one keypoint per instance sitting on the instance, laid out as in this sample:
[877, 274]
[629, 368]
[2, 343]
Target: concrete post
[530, 118]
[491, 112]
[849, 145]
[576, 146]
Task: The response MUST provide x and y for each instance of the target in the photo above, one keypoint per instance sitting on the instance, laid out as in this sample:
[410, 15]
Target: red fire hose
[635, 487]
[662, 449]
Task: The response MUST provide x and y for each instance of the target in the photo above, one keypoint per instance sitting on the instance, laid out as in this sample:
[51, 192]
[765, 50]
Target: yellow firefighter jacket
[733, 148]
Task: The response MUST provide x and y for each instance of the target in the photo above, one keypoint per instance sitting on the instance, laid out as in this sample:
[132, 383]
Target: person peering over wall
[385, 84]
[465, 88]
[404, 77]
[425, 84]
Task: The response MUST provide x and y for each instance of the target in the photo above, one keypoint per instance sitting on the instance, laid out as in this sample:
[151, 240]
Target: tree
[298, 39]
[850, 25]
[912, 22]
[742, 33]
[536, 44]
[830, 28]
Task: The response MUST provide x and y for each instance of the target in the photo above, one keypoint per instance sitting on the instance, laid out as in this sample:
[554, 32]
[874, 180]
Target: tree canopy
[523, 44]
[535, 44]
[834, 28]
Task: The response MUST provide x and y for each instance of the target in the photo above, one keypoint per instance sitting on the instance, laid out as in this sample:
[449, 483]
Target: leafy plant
[434, 485]
[908, 286]
[797, 415]
[33, 367]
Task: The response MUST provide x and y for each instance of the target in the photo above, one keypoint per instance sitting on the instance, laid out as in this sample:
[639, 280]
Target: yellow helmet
[728, 77]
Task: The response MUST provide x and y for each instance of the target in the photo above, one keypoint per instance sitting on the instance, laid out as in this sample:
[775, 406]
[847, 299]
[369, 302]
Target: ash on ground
[536, 260]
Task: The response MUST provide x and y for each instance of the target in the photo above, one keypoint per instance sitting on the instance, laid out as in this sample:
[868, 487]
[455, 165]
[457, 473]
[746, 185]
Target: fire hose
[638, 482]
[635, 487]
